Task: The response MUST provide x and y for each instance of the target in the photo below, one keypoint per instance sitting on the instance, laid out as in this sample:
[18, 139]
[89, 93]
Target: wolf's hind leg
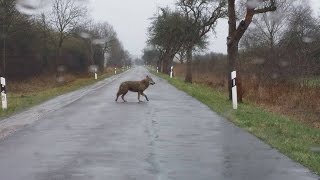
[118, 94]
[123, 96]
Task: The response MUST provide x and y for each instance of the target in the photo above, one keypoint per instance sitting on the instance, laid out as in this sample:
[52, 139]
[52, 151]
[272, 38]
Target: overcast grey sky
[131, 20]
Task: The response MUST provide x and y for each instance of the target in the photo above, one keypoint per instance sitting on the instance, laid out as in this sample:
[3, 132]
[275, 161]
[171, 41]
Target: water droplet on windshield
[61, 69]
[307, 40]
[30, 7]
[93, 68]
[60, 79]
[284, 63]
[253, 3]
[99, 41]
[275, 76]
[258, 61]
[85, 35]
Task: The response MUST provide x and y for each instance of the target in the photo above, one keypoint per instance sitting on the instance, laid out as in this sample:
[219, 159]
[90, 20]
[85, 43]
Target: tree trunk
[45, 52]
[234, 36]
[161, 64]
[166, 63]
[58, 58]
[4, 58]
[233, 66]
[188, 77]
[91, 58]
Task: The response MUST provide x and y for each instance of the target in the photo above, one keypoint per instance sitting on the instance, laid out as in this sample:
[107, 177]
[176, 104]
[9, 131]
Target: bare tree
[262, 38]
[44, 29]
[300, 39]
[104, 35]
[272, 24]
[253, 7]
[107, 35]
[166, 35]
[150, 56]
[201, 17]
[66, 14]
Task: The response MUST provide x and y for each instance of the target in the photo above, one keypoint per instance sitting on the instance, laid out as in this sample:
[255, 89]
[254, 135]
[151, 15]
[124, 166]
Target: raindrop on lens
[93, 68]
[30, 7]
[85, 35]
[253, 3]
[274, 76]
[61, 69]
[307, 40]
[284, 63]
[258, 61]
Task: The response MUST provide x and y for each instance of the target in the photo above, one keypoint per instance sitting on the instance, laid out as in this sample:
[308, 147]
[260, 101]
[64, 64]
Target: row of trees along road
[55, 35]
[185, 29]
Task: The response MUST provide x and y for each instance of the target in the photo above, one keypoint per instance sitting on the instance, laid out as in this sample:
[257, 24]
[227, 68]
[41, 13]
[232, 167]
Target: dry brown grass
[299, 102]
[47, 81]
[39, 83]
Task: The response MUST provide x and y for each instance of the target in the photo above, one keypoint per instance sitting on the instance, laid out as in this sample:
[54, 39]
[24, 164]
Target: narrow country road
[171, 137]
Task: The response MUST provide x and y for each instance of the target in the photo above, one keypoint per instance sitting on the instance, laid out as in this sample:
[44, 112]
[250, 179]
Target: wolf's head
[150, 80]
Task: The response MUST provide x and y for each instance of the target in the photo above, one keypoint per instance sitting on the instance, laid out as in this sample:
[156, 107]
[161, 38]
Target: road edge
[16, 122]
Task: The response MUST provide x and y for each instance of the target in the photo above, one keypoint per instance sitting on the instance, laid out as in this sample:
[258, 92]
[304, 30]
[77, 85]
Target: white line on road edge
[4, 93]
[234, 89]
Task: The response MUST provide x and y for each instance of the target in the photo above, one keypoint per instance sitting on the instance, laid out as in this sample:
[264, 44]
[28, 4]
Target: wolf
[135, 86]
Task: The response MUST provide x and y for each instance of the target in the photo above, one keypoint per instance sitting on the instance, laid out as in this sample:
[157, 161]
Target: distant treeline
[60, 37]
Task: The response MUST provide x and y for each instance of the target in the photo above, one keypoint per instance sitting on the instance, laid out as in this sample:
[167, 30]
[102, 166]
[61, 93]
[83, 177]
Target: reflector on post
[234, 89]
[3, 93]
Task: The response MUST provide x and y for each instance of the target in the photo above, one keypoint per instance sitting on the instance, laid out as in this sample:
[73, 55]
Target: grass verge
[18, 101]
[292, 138]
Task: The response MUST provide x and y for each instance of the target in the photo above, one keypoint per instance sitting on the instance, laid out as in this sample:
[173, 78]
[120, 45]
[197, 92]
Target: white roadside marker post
[171, 72]
[3, 93]
[115, 70]
[234, 89]
[157, 69]
[95, 76]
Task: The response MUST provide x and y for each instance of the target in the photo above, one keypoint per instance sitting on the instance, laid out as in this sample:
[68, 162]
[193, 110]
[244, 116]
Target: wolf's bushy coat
[134, 86]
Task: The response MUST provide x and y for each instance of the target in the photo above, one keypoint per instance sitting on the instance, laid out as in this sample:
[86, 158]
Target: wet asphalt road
[169, 138]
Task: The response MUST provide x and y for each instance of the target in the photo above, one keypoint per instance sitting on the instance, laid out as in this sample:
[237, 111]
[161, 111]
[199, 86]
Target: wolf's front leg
[145, 96]
[139, 97]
